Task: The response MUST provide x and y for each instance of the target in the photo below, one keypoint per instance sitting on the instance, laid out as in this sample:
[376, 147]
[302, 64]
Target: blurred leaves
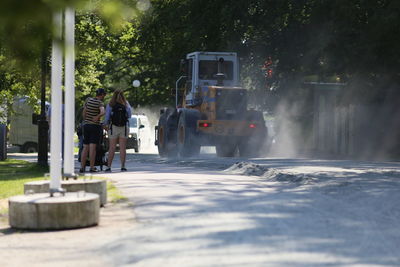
[26, 32]
[26, 25]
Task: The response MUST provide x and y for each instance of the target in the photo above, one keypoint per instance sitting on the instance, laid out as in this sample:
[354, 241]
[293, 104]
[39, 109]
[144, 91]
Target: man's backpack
[119, 116]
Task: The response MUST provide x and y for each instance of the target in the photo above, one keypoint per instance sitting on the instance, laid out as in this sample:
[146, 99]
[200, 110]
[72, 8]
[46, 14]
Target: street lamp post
[136, 84]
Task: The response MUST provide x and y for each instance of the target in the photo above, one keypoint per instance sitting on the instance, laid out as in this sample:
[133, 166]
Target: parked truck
[211, 110]
[23, 126]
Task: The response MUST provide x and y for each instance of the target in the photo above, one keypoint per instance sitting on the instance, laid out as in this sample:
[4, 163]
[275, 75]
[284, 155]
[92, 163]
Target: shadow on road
[341, 217]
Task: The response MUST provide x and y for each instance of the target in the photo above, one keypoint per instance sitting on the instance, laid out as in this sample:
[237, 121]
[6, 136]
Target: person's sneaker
[81, 170]
[93, 170]
[108, 170]
[123, 169]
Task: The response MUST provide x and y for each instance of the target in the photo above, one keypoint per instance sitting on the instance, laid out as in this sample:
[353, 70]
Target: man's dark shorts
[91, 134]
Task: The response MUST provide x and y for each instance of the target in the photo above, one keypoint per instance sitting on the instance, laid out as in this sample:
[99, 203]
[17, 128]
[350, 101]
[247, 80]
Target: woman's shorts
[92, 133]
[117, 131]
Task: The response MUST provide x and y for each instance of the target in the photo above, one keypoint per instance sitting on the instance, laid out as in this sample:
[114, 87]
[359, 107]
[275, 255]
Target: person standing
[79, 130]
[92, 112]
[118, 112]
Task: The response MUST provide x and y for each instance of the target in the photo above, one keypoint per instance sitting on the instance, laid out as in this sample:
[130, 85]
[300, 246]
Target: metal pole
[136, 84]
[43, 125]
[56, 99]
[3, 143]
[69, 112]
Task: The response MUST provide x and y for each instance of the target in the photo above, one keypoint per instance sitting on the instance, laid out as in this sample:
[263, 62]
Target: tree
[24, 35]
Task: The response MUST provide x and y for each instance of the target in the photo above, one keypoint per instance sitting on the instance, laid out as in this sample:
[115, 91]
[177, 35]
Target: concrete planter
[42, 212]
[91, 186]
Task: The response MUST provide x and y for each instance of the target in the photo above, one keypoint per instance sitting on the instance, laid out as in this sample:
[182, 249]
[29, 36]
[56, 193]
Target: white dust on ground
[294, 215]
[308, 174]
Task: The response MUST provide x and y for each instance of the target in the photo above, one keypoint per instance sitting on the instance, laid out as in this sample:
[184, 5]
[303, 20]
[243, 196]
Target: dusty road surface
[208, 211]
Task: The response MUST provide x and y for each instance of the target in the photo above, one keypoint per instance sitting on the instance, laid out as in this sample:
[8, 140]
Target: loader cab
[209, 69]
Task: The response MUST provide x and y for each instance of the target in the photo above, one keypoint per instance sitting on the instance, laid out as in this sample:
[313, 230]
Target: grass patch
[15, 173]
[114, 195]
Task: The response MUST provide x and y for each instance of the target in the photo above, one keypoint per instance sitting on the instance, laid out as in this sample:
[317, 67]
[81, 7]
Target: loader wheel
[188, 141]
[166, 148]
[161, 136]
[250, 148]
[226, 149]
[254, 145]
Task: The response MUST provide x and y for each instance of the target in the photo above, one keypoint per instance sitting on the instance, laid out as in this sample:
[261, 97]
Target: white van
[23, 126]
[140, 134]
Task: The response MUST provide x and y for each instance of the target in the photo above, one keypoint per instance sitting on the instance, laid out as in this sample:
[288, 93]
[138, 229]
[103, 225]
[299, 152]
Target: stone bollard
[42, 212]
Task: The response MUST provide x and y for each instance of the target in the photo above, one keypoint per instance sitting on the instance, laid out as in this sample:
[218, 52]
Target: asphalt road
[209, 211]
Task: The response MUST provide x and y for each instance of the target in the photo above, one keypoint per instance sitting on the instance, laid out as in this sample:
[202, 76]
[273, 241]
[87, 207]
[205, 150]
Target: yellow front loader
[211, 111]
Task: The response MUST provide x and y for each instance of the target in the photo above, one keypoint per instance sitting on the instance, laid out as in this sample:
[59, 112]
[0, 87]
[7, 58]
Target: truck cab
[209, 68]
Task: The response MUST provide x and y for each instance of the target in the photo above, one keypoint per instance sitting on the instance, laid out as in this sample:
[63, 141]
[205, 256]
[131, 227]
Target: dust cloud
[287, 136]
[321, 123]
[327, 120]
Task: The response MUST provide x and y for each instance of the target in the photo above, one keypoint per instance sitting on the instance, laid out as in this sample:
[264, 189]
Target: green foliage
[119, 41]
[354, 40]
